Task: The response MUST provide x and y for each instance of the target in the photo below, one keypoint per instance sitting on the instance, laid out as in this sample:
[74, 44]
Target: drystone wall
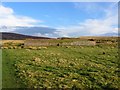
[58, 43]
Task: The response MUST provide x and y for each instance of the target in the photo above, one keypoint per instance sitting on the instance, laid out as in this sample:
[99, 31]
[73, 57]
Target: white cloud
[102, 25]
[8, 18]
[90, 27]
[51, 35]
[87, 6]
[7, 29]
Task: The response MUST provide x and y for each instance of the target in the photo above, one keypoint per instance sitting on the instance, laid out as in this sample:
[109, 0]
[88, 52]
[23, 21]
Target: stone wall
[58, 43]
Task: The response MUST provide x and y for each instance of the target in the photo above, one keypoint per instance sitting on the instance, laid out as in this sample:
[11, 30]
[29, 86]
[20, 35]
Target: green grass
[0, 69]
[61, 67]
[9, 79]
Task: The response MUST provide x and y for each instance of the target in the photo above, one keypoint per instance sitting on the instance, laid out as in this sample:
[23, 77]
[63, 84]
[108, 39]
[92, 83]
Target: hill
[15, 36]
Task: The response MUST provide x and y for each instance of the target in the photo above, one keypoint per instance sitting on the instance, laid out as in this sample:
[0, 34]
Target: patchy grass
[85, 67]
[12, 41]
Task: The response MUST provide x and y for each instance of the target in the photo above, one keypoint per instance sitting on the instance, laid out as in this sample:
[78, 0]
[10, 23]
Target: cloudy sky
[59, 19]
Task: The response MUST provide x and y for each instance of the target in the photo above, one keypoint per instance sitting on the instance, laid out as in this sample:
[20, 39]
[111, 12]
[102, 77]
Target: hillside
[15, 36]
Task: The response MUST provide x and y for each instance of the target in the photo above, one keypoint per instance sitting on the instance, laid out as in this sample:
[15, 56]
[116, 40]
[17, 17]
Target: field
[84, 67]
[12, 41]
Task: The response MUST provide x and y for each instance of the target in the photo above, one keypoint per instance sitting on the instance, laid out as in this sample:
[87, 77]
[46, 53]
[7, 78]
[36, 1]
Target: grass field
[84, 67]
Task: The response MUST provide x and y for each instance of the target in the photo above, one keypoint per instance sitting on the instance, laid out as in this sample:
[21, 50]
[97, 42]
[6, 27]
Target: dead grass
[12, 41]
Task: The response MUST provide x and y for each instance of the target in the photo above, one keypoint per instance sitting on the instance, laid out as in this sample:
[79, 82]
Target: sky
[59, 19]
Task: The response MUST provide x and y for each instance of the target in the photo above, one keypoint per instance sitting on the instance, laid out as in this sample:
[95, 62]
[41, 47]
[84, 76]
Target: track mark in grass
[9, 79]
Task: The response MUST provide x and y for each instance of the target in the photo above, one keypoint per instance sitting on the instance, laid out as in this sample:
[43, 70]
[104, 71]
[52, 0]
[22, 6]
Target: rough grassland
[86, 67]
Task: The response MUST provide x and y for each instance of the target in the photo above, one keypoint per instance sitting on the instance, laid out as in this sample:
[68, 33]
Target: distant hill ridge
[15, 36]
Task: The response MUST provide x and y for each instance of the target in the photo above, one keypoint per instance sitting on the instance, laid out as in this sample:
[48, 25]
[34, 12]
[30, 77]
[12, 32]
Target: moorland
[59, 65]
